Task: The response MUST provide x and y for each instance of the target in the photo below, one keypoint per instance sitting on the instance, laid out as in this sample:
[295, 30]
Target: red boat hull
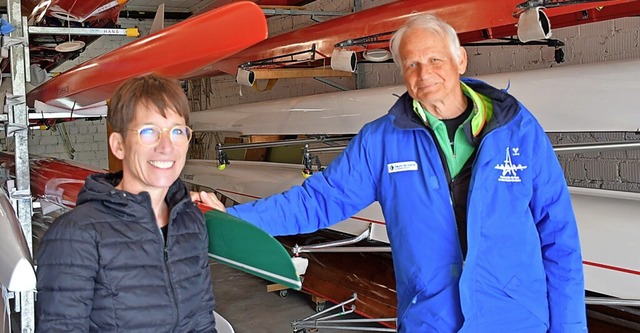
[475, 20]
[175, 52]
[77, 9]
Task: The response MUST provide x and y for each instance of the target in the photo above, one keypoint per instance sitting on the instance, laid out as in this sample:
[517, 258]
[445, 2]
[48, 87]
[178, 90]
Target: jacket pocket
[531, 296]
[418, 317]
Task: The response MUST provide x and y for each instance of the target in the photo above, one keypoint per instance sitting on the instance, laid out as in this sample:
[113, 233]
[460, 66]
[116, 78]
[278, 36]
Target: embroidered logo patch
[402, 166]
[509, 169]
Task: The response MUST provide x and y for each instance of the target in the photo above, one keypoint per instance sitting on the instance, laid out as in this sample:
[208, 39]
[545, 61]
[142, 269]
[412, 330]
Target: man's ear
[116, 143]
[462, 64]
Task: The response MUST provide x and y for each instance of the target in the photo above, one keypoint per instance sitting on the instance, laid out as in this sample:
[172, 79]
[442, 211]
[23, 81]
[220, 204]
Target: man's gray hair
[430, 23]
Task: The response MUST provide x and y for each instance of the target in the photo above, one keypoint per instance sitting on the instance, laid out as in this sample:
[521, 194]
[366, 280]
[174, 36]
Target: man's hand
[209, 199]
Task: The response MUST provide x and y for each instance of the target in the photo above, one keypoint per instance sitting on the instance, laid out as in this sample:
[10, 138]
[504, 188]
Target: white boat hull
[609, 234]
[577, 98]
[244, 181]
[607, 220]
[16, 266]
[4, 316]
[222, 325]
[596, 97]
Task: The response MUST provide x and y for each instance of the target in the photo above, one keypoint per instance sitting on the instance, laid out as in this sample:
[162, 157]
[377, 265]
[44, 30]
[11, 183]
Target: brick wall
[594, 42]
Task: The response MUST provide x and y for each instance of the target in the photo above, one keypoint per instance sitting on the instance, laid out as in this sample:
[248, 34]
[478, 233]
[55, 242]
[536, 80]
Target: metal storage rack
[16, 125]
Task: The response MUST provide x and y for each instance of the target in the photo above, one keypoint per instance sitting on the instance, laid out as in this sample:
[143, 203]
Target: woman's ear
[116, 143]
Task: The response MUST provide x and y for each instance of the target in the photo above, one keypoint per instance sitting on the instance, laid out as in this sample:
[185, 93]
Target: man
[132, 255]
[478, 214]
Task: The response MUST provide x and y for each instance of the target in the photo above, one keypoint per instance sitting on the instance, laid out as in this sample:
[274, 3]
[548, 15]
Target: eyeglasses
[150, 135]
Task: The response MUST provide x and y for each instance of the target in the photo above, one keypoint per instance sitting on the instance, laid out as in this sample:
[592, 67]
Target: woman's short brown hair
[150, 90]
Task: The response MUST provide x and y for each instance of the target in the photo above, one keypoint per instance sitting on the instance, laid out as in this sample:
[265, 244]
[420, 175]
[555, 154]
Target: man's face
[431, 73]
[151, 168]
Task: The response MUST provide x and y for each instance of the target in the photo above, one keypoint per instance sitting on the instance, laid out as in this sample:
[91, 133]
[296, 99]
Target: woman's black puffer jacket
[105, 267]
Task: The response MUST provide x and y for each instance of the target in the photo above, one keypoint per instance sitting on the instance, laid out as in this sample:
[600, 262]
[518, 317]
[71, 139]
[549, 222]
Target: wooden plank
[276, 287]
[291, 73]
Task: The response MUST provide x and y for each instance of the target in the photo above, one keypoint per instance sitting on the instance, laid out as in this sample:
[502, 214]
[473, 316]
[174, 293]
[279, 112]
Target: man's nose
[424, 70]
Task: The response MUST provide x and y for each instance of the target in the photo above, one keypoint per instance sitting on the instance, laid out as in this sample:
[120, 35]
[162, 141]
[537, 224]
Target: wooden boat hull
[337, 276]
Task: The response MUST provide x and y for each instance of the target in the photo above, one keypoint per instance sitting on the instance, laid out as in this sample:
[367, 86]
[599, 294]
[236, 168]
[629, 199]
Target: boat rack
[324, 319]
[595, 147]
[16, 125]
[597, 300]
[308, 159]
[338, 246]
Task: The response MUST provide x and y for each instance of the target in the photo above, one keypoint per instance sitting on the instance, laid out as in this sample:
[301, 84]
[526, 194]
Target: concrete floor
[244, 301]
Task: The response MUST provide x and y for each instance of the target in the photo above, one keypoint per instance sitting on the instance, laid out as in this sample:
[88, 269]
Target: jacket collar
[101, 187]
[505, 107]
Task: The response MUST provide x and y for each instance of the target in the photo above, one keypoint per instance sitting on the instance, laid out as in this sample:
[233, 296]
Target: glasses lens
[181, 134]
[149, 135]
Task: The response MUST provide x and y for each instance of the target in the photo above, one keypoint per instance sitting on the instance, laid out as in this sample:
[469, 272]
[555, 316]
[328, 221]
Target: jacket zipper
[443, 161]
[165, 254]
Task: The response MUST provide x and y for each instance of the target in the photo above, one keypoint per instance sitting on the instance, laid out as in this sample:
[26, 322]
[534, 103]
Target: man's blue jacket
[523, 270]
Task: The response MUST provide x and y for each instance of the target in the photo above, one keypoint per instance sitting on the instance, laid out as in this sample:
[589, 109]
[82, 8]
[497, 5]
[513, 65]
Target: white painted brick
[630, 172]
[84, 147]
[386, 78]
[548, 58]
[575, 169]
[627, 24]
[588, 50]
[616, 155]
[38, 149]
[601, 170]
[623, 41]
[633, 54]
[99, 137]
[59, 149]
[527, 57]
[49, 141]
[479, 61]
[596, 29]
[566, 32]
[501, 59]
[85, 156]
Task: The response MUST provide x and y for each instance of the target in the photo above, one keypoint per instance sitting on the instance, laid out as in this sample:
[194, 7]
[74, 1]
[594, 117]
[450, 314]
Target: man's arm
[209, 199]
[560, 243]
[345, 187]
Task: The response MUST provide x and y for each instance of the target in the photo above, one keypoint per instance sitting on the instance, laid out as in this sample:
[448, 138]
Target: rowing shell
[576, 98]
